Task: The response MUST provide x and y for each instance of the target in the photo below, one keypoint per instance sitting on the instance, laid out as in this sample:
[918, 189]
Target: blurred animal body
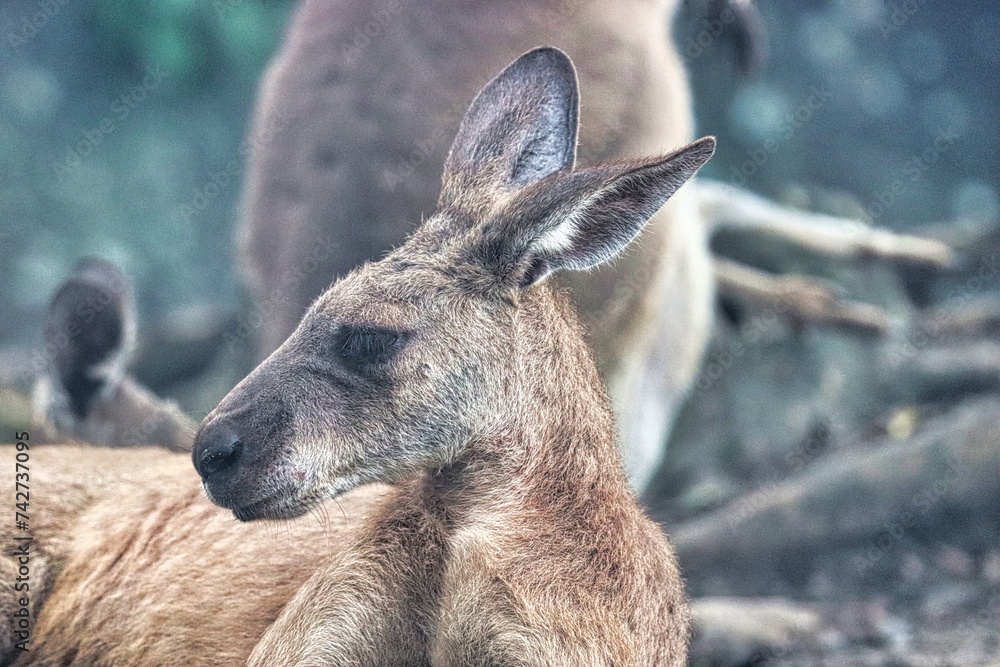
[349, 136]
[456, 370]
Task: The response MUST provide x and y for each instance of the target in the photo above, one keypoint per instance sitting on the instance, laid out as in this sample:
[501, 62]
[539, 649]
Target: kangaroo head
[403, 363]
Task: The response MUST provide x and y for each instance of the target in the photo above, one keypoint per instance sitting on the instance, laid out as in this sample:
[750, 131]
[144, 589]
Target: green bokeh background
[65, 66]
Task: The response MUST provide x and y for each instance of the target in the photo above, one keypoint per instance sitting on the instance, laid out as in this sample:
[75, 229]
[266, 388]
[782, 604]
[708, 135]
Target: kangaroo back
[130, 564]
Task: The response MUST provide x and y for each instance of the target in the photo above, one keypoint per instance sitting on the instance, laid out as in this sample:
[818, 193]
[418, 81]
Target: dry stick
[949, 371]
[725, 206]
[801, 299]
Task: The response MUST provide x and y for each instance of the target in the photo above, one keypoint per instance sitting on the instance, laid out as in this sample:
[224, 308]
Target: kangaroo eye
[368, 345]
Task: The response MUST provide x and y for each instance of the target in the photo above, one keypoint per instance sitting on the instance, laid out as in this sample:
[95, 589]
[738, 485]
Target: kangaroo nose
[217, 450]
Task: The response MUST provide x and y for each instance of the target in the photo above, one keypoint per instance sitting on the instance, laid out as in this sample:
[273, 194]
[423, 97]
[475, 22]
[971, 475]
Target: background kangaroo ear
[520, 129]
[580, 219]
[90, 332]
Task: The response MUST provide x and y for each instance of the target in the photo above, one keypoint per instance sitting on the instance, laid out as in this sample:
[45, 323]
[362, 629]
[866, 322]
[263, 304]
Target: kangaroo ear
[580, 219]
[90, 332]
[520, 128]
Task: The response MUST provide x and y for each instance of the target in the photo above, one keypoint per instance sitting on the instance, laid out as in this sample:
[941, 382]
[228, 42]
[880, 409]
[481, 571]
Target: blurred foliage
[115, 115]
[192, 41]
[878, 109]
[82, 174]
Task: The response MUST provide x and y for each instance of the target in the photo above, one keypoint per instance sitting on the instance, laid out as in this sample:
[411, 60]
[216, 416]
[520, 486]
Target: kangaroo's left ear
[520, 129]
[580, 219]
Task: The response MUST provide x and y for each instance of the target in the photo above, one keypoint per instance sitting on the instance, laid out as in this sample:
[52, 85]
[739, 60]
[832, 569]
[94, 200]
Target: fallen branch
[735, 631]
[802, 300]
[859, 499]
[963, 319]
[948, 372]
[736, 210]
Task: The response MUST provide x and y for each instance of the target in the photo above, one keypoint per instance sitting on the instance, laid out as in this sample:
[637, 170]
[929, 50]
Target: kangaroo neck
[555, 450]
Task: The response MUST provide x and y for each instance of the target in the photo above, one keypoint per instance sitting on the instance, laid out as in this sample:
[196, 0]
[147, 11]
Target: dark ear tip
[546, 53]
[699, 151]
[705, 145]
[547, 58]
[92, 310]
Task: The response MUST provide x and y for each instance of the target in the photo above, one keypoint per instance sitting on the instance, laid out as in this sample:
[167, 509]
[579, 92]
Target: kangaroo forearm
[370, 605]
[342, 619]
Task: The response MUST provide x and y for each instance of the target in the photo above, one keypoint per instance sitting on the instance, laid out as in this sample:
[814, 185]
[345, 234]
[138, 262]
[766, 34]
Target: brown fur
[529, 550]
[350, 133]
[513, 537]
[132, 565]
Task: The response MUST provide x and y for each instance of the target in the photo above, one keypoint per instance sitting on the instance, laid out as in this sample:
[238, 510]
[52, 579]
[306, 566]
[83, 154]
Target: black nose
[216, 451]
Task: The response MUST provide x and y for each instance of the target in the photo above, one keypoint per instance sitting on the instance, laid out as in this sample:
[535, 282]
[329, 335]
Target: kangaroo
[454, 369]
[83, 391]
[130, 564]
[349, 136]
[348, 140]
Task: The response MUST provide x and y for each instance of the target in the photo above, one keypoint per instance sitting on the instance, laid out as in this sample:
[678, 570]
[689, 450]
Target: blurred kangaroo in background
[83, 391]
[350, 133]
[456, 370]
[349, 136]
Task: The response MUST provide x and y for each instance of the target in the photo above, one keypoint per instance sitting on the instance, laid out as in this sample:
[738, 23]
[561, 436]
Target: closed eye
[368, 345]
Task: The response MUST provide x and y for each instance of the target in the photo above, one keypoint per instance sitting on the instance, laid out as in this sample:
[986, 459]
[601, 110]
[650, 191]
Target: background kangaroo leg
[725, 207]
